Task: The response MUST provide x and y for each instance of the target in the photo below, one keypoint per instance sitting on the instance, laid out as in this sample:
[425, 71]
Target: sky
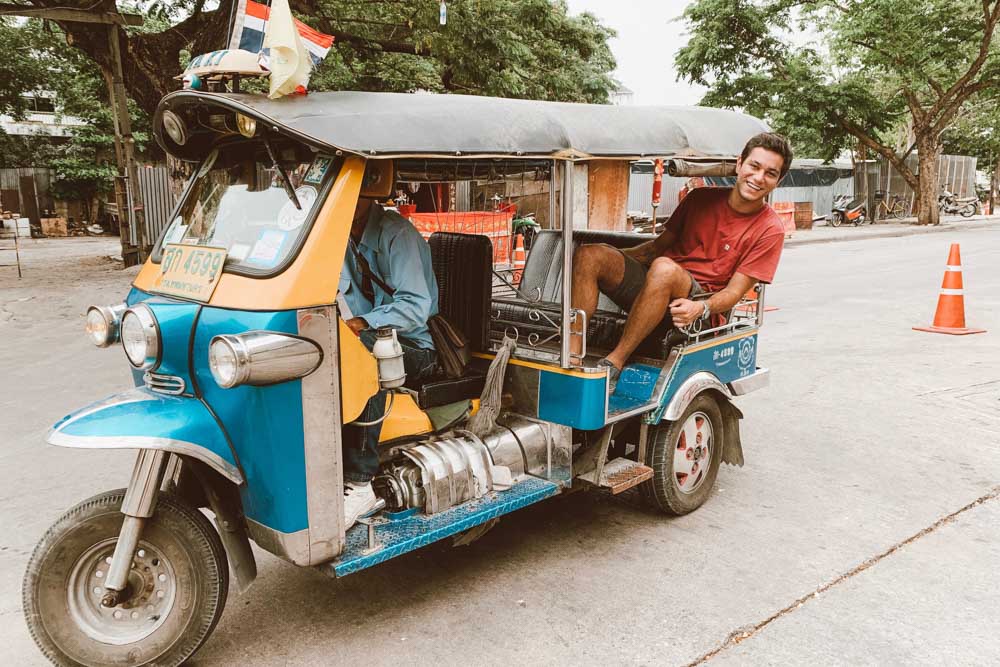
[649, 36]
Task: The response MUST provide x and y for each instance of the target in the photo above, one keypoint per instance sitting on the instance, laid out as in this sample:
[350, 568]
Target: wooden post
[125, 148]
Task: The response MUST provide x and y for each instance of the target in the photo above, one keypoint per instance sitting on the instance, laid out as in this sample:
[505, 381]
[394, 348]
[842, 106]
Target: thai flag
[248, 32]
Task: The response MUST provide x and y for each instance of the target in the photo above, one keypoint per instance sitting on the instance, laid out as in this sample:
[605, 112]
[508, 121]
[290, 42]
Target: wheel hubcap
[152, 588]
[693, 453]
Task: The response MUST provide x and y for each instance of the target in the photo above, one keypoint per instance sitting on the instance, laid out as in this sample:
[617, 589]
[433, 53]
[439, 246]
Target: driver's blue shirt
[400, 257]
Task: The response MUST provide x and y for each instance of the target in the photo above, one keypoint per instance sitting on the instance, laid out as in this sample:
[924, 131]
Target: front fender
[142, 419]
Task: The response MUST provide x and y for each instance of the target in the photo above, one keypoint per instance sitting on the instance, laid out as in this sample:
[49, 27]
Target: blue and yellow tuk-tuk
[245, 373]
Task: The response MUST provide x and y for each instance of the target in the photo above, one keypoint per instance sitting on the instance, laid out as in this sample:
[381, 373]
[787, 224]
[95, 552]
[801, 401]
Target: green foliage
[873, 64]
[84, 164]
[20, 70]
[506, 48]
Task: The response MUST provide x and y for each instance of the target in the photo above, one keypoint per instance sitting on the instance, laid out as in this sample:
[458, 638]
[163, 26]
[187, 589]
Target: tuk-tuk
[245, 374]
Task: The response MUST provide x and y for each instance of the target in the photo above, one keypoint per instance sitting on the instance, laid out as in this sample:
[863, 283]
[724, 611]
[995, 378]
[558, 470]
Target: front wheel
[177, 586]
[836, 219]
[685, 457]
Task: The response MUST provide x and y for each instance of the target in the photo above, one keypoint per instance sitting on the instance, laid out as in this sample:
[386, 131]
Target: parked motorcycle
[950, 204]
[848, 209]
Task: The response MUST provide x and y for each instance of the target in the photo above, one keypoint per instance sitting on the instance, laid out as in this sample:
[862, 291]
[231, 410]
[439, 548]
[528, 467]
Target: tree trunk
[927, 195]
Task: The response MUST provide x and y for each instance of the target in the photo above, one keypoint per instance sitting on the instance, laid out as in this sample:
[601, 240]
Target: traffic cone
[950, 315]
[519, 259]
[751, 295]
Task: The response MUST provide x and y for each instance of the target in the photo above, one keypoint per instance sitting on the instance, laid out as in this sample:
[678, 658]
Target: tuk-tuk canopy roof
[388, 125]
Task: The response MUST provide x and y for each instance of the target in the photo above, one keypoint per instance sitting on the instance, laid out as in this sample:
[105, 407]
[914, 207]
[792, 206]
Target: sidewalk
[906, 227]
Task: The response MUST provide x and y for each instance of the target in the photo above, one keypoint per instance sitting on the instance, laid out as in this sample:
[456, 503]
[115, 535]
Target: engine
[441, 472]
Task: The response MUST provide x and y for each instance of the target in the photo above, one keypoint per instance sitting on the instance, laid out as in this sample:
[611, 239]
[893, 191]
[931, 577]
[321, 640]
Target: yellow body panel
[313, 277]
[358, 374]
[404, 418]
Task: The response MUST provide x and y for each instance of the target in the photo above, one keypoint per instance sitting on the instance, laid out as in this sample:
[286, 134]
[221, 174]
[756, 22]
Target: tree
[512, 48]
[84, 162]
[976, 131]
[879, 65]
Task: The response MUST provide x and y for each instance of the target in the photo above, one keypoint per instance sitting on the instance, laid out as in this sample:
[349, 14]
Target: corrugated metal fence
[640, 190]
[157, 199]
[10, 181]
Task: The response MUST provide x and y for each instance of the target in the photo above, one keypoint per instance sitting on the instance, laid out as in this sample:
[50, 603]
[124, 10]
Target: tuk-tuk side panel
[397, 535]
[313, 277]
[726, 359]
[358, 373]
[263, 423]
[568, 397]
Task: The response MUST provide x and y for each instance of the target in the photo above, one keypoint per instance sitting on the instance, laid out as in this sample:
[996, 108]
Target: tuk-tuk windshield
[244, 205]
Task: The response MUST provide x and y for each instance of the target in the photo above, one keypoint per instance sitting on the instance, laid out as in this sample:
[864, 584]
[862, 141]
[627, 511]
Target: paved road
[863, 529]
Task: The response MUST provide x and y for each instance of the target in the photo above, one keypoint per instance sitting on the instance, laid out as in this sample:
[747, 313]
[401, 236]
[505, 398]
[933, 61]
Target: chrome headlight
[103, 322]
[140, 336]
[261, 358]
[175, 127]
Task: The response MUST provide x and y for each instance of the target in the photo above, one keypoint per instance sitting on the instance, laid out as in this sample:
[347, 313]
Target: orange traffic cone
[519, 259]
[950, 315]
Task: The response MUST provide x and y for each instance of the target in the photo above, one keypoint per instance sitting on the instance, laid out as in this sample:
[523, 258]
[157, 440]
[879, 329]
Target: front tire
[836, 219]
[685, 456]
[177, 587]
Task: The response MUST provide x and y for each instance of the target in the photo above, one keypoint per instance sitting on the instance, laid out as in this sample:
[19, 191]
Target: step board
[619, 475]
[402, 532]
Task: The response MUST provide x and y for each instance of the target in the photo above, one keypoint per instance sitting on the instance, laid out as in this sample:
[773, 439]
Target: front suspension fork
[137, 506]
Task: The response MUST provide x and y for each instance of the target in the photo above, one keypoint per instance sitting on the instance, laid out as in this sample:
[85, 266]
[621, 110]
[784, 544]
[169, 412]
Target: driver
[721, 240]
[387, 281]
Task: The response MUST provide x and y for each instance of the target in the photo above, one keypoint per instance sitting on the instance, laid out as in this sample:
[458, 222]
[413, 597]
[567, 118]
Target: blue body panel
[140, 415]
[407, 531]
[634, 389]
[572, 400]
[728, 360]
[263, 424]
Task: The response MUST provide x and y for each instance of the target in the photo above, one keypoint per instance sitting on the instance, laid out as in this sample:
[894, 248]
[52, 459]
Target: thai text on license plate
[190, 271]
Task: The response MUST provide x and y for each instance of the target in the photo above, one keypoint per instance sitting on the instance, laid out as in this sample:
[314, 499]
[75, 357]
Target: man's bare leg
[665, 281]
[596, 268]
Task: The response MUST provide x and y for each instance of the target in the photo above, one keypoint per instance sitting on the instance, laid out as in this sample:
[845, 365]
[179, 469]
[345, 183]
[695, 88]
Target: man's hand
[357, 325]
[685, 311]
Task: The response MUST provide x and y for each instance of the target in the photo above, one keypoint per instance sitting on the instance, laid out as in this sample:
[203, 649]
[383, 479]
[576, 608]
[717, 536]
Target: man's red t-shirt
[712, 241]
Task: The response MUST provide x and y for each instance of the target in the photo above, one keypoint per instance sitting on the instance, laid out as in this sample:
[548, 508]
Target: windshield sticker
[317, 170]
[239, 252]
[289, 217]
[267, 248]
[177, 233]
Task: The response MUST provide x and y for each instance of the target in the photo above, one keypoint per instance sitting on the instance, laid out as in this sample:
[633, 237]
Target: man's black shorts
[635, 276]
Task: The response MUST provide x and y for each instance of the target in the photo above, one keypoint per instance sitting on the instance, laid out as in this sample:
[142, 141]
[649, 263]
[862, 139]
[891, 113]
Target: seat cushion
[542, 279]
[437, 391]
[463, 265]
[604, 329]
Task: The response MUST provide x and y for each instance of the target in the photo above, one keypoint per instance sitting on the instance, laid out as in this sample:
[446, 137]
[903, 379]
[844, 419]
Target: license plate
[190, 271]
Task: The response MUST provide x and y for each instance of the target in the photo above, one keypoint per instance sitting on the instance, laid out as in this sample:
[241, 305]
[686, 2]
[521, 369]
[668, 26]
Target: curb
[896, 231]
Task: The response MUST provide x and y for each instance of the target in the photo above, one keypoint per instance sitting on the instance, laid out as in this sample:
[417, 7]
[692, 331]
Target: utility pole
[128, 197]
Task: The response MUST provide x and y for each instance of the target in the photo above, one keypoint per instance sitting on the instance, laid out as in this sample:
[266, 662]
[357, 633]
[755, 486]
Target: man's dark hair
[773, 142]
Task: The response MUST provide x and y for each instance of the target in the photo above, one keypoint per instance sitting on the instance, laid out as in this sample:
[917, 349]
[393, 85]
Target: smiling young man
[721, 240]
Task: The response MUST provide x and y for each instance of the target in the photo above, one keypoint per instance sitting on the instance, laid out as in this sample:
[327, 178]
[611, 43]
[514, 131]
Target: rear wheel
[176, 592]
[968, 210]
[685, 457]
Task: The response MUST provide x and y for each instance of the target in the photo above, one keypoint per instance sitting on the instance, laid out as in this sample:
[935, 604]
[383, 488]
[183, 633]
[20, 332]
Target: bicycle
[894, 209]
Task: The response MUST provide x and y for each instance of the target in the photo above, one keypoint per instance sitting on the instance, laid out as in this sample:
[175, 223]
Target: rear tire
[177, 589]
[685, 456]
[968, 210]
